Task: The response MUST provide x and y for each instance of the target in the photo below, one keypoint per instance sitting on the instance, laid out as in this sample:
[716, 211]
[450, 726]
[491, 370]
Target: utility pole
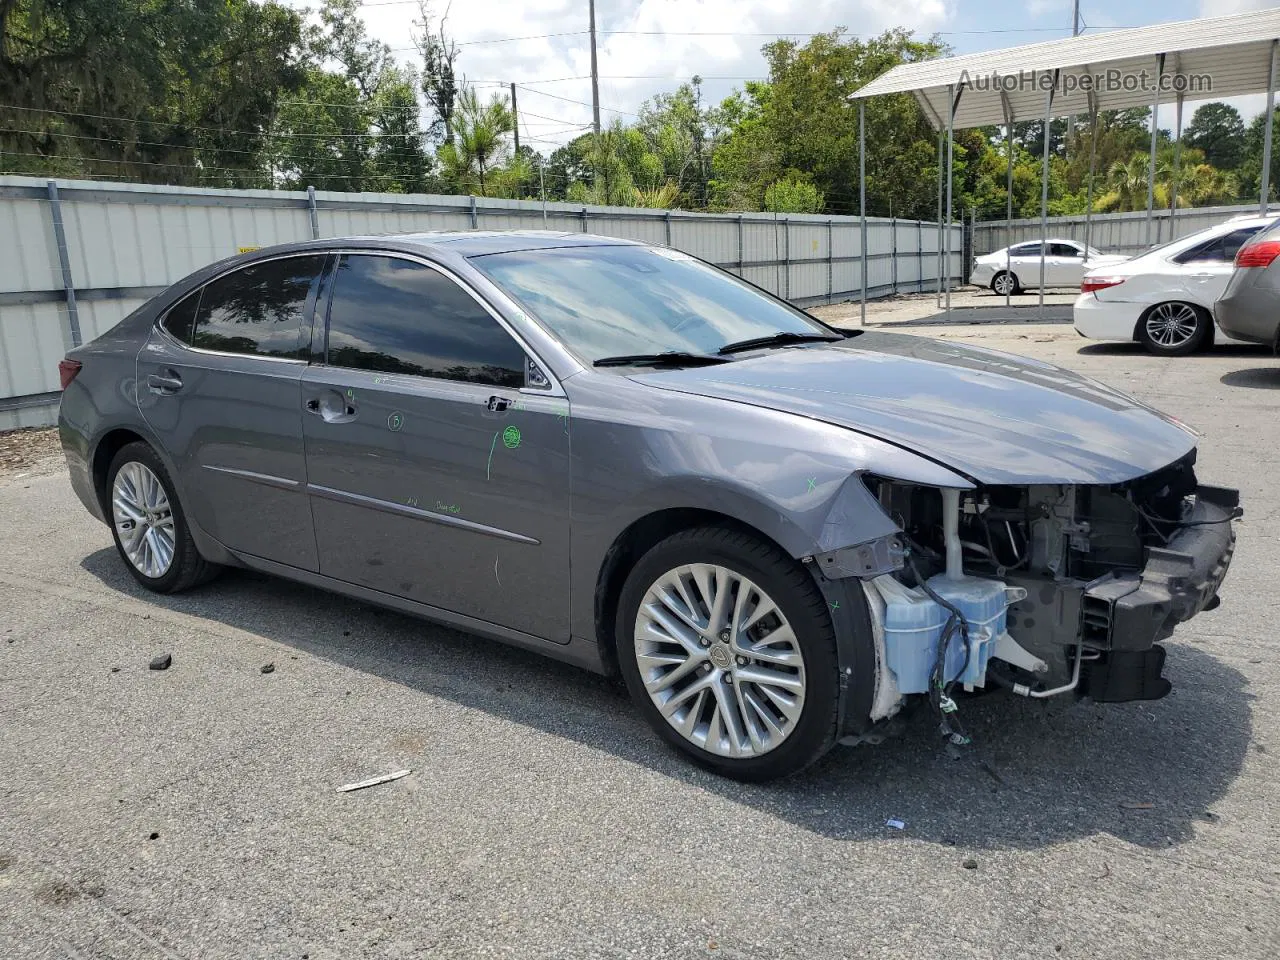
[595, 72]
[515, 118]
[1075, 18]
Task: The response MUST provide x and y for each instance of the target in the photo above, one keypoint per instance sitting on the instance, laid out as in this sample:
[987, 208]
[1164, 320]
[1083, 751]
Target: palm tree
[479, 138]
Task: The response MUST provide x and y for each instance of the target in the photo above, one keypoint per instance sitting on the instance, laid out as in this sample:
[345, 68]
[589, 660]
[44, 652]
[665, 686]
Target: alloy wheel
[1172, 324]
[1004, 284]
[143, 519]
[719, 660]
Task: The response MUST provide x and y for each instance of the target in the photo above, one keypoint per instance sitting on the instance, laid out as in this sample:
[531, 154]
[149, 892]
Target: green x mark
[813, 483]
[835, 605]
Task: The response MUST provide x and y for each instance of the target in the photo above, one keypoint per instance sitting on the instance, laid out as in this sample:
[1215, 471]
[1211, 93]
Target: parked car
[1165, 298]
[628, 459]
[1011, 270]
[1249, 308]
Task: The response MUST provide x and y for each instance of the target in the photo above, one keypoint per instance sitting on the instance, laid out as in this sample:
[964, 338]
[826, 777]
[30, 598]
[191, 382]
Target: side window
[259, 309]
[396, 316]
[1065, 250]
[181, 318]
[1026, 250]
[1233, 241]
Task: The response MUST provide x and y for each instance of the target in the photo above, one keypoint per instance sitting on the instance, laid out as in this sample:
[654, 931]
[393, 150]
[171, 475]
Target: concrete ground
[969, 305]
[193, 812]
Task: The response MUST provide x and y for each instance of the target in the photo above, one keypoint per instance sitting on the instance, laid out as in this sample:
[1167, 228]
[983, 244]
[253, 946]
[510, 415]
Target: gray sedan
[1249, 309]
[617, 455]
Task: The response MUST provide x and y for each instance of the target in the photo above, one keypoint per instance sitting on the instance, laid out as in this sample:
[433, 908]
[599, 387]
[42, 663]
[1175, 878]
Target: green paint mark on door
[511, 437]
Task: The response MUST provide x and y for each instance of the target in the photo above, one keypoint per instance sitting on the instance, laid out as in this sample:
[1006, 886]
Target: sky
[650, 46]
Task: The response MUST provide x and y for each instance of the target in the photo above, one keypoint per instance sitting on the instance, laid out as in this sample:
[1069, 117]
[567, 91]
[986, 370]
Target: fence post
[668, 225]
[831, 252]
[893, 226]
[741, 270]
[64, 261]
[920, 256]
[475, 216]
[583, 215]
[311, 207]
[786, 247]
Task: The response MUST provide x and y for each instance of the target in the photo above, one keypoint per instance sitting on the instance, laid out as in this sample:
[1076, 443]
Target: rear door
[219, 382]
[435, 473]
[1203, 271]
[1024, 261]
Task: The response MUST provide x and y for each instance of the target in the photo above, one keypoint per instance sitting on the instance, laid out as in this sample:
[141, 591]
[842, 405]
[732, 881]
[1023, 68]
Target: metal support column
[1177, 166]
[741, 271]
[311, 208]
[1093, 159]
[862, 206]
[953, 96]
[475, 215]
[667, 218]
[1008, 192]
[1155, 131]
[1266, 136]
[1044, 188]
[941, 134]
[64, 261]
[786, 255]
[920, 256]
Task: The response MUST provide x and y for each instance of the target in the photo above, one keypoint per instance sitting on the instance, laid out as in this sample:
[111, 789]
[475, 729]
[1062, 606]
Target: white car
[1164, 298]
[1017, 268]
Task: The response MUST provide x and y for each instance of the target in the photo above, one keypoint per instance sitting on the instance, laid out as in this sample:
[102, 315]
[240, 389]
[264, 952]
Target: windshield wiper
[671, 358]
[776, 340]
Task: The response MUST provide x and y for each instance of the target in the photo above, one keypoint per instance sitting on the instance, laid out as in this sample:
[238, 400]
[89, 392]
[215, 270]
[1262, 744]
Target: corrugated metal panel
[27, 249]
[32, 341]
[1234, 51]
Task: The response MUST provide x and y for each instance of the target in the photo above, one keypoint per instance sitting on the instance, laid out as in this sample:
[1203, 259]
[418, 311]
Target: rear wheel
[1005, 283]
[1174, 329]
[149, 526]
[728, 649]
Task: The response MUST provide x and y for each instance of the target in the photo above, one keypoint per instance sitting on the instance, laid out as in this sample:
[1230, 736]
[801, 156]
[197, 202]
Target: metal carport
[1082, 75]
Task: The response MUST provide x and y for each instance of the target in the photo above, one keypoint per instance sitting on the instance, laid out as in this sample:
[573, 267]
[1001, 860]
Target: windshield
[609, 301]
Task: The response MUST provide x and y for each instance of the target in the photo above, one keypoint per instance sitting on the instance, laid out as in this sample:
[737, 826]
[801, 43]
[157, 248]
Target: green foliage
[479, 143]
[791, 194]
[1217, 130]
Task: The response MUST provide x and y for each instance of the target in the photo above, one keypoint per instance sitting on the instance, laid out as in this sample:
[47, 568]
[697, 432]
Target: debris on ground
[162, 662]
[970, 864]
[268, 668]
[20, 449]
[896, 824]
[373, 781]
[1137, 805]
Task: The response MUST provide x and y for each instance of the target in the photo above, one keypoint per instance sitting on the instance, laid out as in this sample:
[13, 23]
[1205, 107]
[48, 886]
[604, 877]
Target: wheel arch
[1147, 310]
[104, 451]
[634, 542]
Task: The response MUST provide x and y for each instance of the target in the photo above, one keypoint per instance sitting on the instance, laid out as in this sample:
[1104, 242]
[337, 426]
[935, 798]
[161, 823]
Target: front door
[434, 473]
[220, 383]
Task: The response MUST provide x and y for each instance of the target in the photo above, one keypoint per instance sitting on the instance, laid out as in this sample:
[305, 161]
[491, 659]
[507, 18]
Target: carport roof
[1234, 53]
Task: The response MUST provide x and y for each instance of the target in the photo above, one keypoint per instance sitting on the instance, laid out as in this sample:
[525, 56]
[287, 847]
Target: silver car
[1249, 309]
[623, 457]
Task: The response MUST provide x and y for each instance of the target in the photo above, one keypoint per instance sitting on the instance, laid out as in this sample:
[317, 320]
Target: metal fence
[76, 257]
[1109, 232]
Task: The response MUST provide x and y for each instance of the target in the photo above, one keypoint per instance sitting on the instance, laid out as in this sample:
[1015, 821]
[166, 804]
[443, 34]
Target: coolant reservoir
[913, 625]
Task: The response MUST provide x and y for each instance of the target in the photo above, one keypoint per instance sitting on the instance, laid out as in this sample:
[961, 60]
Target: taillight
[1090, 284]
[67, 370]
[1258, 254]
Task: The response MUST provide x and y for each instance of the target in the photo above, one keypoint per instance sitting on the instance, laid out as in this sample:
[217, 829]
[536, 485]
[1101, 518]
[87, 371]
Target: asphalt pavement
[194, 812]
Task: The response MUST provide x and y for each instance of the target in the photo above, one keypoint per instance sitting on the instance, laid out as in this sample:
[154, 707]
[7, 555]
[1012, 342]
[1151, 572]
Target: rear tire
[1174, 329]
[755, 693]
[1005, 282]
[148, 523]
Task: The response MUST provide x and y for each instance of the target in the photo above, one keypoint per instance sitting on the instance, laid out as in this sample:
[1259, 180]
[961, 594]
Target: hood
[995, 417]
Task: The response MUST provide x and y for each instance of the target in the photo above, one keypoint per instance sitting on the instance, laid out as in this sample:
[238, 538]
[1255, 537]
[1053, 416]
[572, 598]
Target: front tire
[1174, 329]
[1004, 283]
[727, 647]
[148, 523]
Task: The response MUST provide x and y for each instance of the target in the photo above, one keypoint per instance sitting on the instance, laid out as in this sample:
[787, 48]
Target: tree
[479, 140]
[439, 78]
[1217, 130]
[792, 194]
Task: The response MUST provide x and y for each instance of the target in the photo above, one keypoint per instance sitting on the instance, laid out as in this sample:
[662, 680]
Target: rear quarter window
[181, 318]
[260, 309]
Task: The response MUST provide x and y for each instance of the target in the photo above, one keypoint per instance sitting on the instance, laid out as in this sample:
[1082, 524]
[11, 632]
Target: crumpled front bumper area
[1126, 615]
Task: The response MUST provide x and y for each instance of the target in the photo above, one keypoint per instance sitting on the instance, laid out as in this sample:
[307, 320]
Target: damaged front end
[1044, 589]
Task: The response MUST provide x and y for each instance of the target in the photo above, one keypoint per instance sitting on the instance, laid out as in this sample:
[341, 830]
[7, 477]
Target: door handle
[333, 407]
[498, 404]
[164, 384]
[313, 405]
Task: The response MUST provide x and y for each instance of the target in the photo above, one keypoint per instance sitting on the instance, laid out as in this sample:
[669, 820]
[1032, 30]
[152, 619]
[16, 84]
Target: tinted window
[259, 309]
[397, 316]
[607, 301]
[1064, 250]
[1219, 249]
[1026, 250]
[182, 317]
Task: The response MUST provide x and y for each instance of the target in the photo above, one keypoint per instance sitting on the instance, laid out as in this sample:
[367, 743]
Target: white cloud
[652, 51]
[1224, 8]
